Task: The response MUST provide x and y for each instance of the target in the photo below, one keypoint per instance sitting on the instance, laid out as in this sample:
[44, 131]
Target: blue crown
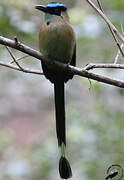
[56, 5]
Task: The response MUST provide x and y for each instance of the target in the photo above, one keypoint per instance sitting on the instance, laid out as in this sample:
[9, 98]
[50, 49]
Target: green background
[95, 113]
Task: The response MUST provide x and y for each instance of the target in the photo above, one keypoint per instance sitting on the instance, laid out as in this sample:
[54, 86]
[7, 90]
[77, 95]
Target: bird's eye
[56, 11]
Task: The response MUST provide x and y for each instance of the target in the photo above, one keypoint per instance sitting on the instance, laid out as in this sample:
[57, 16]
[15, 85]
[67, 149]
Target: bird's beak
[41, 8]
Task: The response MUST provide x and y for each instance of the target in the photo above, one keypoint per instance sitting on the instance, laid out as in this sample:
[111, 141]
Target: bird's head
[52, 8]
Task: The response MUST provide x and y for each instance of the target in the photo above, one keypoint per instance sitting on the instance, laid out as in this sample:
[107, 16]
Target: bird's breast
[57, 40]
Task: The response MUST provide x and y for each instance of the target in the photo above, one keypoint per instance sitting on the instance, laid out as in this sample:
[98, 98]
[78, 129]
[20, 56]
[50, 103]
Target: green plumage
[57, 42]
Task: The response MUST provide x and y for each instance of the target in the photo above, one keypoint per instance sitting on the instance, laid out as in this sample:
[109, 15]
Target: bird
[112, 174]
[57, 42]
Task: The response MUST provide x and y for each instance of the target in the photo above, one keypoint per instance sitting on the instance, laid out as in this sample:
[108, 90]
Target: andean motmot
[57, 42]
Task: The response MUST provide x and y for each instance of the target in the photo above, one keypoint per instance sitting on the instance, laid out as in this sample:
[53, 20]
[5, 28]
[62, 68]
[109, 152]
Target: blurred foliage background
[95, 115]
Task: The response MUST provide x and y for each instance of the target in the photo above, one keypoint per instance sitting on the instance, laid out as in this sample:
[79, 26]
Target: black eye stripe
[58, 8]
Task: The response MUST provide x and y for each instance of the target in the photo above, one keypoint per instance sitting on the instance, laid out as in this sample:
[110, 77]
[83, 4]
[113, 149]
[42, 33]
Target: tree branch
[100, 78]
[122, 45]
[18, 69]
[106, 20]
[114, 66]
[21, 47]
[63, 67]
[114, 36]
[14, 59]
[20, 59]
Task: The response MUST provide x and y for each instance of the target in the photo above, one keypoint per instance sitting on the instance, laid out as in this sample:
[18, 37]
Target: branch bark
[21, 47]
[75, 70]
[114, 66]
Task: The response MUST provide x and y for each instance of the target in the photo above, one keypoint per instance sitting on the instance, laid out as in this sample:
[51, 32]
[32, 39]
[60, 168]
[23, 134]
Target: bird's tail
[64, 166]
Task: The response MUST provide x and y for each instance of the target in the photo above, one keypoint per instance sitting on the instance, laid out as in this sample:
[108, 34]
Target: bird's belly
[57, 43]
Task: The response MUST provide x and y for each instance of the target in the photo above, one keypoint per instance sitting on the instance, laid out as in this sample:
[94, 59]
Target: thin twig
[122, 29]
[118, 54]
[16, 40]
[14, 59]
[114, 37]
[18, 69]
[114, 66]
[19, 59]
[106, 20]
[90, 86]
[122, 45]
[100, 6]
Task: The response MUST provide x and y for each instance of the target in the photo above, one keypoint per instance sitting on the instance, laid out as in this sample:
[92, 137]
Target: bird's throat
[48, 16]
